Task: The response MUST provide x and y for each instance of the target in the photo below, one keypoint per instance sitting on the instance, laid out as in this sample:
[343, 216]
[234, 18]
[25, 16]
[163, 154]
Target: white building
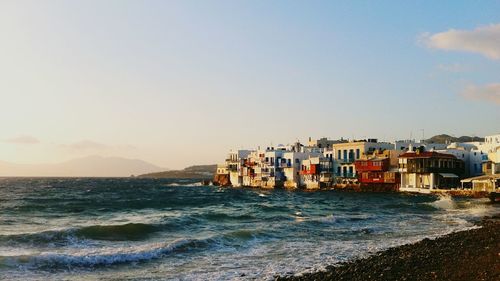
[490, 144]
[292, 166]
[316, 172]
[472, 157]
[404, 145]
[234, 164]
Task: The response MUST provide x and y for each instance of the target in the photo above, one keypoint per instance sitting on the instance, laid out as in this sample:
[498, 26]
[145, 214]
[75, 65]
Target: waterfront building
[229, 173]
[484, 183]
[346, 153]
[491, 146]
[379, 172]
[316, 172]
[222, 169]
[293, 164]
[422, 171]
[484, 165]
[367, 164]
[253, 169]
[492, 165]
[272, 168]
[264, 168]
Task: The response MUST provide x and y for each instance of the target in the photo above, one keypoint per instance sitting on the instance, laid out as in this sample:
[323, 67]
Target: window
[357, 153]
[338, 154]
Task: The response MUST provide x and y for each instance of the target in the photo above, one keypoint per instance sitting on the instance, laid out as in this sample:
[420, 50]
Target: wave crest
[129, 231]
[103, 257]
[123, 232]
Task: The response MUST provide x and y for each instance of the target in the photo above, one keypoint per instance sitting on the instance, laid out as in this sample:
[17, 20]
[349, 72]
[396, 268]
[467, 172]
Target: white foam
[185, 184]
[444, 202]
[100, 256]
[328, 219]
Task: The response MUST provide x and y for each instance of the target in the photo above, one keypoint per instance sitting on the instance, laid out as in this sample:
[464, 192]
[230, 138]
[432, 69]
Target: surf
[123, 232]
[88, 258]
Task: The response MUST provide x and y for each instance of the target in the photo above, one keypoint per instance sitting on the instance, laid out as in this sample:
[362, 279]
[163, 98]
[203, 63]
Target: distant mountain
[447, 138]
[193, 172]
[91, 166]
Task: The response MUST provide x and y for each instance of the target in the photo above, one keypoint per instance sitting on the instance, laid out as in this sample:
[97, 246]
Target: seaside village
[368, 165]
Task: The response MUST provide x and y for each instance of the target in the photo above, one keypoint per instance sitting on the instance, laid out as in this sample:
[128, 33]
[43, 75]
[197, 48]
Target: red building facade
[374, 174]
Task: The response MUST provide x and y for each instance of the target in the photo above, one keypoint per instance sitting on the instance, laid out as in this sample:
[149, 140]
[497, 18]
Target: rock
[221, 180]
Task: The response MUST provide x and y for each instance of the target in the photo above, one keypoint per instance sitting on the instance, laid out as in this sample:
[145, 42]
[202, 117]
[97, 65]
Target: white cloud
[488, 93]
[484, 40]
[24, 139]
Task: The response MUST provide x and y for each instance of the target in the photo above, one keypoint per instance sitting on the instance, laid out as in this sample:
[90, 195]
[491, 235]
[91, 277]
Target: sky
[177, 83]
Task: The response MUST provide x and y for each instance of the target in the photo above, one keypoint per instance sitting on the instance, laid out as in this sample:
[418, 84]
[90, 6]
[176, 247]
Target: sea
[163, 229]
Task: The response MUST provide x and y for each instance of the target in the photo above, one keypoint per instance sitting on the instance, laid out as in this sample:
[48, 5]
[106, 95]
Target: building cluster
[367, 164]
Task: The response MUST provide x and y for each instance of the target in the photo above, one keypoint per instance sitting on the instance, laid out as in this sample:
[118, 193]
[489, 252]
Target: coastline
[455, 193]
[472, 254]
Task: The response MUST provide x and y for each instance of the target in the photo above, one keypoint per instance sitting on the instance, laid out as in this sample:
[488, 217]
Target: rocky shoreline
[466, 255]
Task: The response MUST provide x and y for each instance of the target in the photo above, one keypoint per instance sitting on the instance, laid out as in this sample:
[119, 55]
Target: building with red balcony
[316, 172]
[375, 174]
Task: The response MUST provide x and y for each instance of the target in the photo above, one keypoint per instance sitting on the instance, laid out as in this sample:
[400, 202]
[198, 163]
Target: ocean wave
[129, 231]
[341, 219]
[102, 257]
[123, 232]
[184, 184]
[219, 216]
[444, 202]
[107, 256]
[243, 235]
[468, 208]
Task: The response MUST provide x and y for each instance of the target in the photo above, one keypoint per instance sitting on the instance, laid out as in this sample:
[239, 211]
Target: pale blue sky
[181, 82]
